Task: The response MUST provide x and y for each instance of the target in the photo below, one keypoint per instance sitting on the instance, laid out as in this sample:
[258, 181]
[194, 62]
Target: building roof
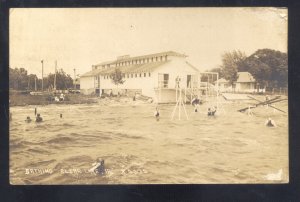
[245, 77]
[122, 58]
[222, 80]
[136, 68]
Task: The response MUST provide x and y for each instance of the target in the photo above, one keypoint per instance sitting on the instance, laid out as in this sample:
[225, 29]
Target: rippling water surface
[229, 148]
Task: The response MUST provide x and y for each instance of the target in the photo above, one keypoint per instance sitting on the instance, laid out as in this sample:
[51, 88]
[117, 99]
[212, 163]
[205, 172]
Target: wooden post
[42, 61]
[218, 91]
[34, 83]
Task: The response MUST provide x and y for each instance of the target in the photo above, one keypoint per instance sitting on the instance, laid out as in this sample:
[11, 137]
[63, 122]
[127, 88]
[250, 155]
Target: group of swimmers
[38, 117]
[211, 112]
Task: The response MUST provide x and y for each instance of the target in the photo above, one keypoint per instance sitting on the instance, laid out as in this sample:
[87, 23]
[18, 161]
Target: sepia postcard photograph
[148, 96]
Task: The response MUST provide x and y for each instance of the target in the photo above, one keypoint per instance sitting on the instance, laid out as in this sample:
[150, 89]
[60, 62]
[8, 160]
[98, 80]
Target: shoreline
[19, 100]
[74, 99]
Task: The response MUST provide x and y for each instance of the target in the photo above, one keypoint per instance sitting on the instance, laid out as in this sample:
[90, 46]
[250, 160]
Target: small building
[224, 85]
[151, 75]
[244, 83]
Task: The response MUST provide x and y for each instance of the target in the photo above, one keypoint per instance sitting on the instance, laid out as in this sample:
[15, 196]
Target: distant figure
[98, 167]
[267, 99]
[177, 81]
[38, 118]
[156, 113]
[249, 111]
[211, 112]
[28, 119]
[10, 116]
[62, 97]
[195, 102]
[270, 123]
[35, 111]
[60, 115]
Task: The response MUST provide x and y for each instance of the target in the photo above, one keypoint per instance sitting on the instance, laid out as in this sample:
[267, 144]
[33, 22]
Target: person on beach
[62, 97]
[28, 119]
[35, 111]
[10, 116]
[38, 118]
[270, 123]
[60, 115]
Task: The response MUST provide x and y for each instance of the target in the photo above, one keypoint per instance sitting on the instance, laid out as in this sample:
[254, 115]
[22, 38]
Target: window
[135, 75]
[140, 74]
[149, 74]
[131, 75]
[144, 74]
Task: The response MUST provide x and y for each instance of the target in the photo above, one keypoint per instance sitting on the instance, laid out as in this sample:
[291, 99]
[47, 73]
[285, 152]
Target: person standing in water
[156, 113]
[38, 118]
[195, 103]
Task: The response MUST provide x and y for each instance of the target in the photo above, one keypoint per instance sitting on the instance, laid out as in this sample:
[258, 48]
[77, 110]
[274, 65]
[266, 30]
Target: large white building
[148, 74]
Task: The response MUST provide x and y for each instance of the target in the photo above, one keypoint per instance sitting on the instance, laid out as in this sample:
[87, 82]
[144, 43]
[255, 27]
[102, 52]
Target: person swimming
[38, 118]
[28, 119]
[270, 123]
[211, 112]
[98, 167]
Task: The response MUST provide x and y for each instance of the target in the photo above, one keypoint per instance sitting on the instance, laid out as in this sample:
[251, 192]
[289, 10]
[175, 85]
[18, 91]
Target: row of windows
[137, 61]
[129, 75]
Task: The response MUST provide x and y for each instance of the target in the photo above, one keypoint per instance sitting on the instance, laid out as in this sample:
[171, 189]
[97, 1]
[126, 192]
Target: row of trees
[20, 80]
[268, 67]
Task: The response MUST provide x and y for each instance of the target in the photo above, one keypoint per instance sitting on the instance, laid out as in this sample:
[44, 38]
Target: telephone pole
[54, 85]
[42, 61]
[74, 78]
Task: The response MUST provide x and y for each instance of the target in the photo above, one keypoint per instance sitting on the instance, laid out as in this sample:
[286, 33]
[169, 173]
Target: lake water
[229, 148]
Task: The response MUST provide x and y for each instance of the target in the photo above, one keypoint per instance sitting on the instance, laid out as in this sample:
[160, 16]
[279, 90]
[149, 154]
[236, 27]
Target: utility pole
[74, 78]
[35, 83]
[42, 61]
[54, 85]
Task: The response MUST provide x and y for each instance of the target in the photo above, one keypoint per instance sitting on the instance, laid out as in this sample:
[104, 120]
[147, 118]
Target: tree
[63, 80]
[269, 67]
[218, 70]
[232, 62]
[117, 77]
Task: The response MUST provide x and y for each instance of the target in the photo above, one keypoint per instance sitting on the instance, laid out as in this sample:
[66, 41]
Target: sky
[78, 38]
